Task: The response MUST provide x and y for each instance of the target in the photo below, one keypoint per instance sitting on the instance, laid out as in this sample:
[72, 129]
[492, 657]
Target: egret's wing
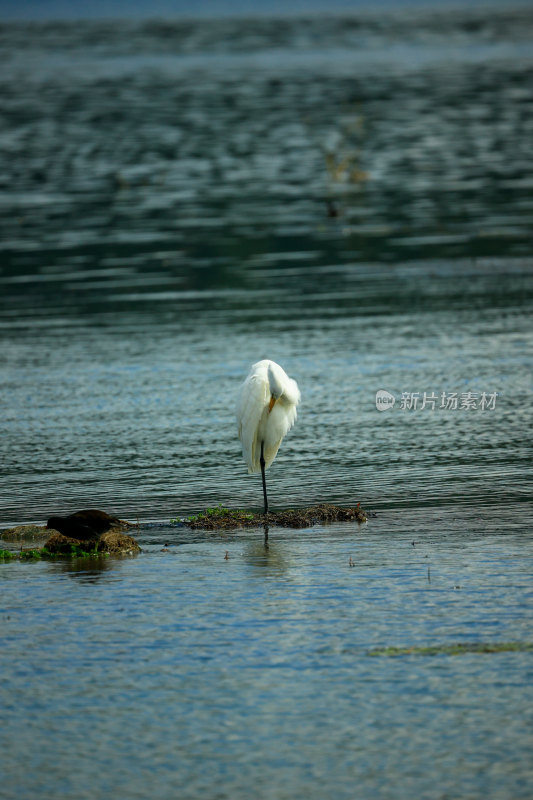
[253, 399]
[280, 421]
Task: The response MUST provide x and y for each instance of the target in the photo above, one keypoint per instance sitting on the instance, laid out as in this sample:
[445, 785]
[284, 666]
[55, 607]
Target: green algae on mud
[35, 554]
[456, 649]
[220, 518]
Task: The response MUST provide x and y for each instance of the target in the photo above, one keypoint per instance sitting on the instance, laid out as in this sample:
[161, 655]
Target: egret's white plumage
[266, 410]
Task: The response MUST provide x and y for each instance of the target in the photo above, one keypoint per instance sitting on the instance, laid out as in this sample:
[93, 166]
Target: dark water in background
[164, 195]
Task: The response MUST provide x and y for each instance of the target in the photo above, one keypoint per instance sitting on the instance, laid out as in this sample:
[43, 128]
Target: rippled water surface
[186, 673]
[351, 197]
[166, 191]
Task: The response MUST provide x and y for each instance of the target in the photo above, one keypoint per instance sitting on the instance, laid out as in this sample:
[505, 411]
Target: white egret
[266, 410]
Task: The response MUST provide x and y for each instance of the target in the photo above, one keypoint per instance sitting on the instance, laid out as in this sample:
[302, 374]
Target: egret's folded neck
[274, 383]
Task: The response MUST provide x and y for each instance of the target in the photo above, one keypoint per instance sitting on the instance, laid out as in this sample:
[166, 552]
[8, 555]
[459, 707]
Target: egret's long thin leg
[262, 462]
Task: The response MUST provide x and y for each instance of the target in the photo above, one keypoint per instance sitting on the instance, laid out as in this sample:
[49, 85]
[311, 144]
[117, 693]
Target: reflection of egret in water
[258, 554]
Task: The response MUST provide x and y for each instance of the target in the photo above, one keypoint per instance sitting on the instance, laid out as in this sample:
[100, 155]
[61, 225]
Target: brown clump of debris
[225, 519]
[322, 513]
[113, 541]
[24, 532]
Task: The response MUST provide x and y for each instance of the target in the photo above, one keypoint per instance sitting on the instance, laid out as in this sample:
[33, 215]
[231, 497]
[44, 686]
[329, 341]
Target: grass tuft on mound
[35, 554]
[220, 518]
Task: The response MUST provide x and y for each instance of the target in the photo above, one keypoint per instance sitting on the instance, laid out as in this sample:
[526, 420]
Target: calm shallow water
[185, 673]
[164, 196]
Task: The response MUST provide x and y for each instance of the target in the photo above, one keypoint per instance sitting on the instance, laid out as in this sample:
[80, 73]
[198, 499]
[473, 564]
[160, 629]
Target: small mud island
[85, 533]
[220, 518]
[93, 530]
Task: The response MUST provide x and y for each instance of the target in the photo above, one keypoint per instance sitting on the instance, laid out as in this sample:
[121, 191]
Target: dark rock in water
[99, 521]
[72, 528]
[83, 525]
[82, 533]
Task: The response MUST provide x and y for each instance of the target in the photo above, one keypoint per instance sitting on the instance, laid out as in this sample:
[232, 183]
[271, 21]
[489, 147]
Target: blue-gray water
[166, 196]
[186, 674]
